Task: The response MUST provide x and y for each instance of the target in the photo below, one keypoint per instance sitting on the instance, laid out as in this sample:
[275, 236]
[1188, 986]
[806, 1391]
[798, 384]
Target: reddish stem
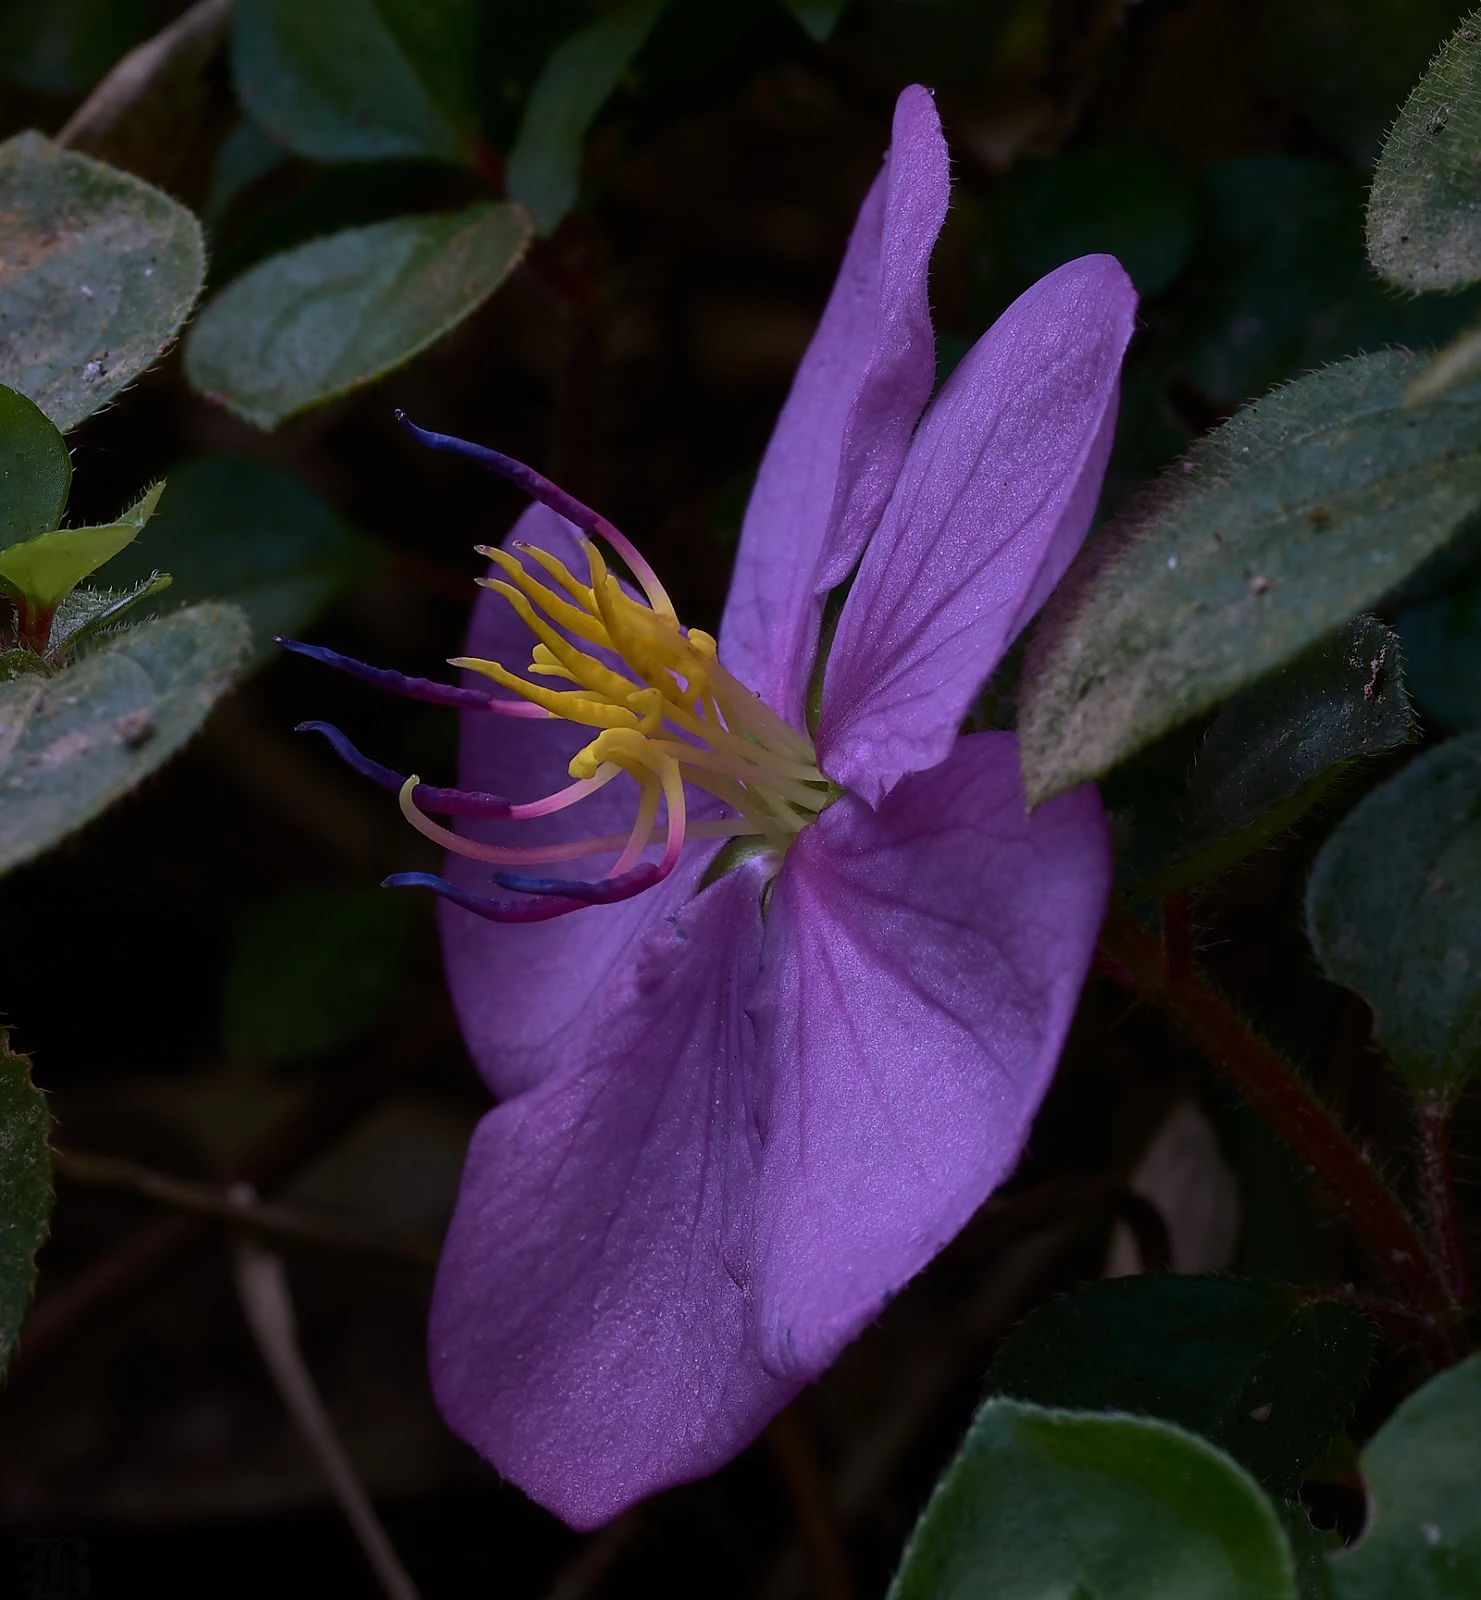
[35, 627]
[1273, 1088]
[1177, 937]
[1437, 1191]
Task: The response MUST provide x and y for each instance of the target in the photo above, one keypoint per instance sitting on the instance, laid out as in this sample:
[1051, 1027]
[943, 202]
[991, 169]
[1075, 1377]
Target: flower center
[666, 713]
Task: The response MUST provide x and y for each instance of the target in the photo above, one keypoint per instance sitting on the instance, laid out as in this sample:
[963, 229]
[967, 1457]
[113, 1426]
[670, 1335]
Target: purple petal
[590, 1333]
[994, 500]
[923, 962]
[519, 990]
[844, 430]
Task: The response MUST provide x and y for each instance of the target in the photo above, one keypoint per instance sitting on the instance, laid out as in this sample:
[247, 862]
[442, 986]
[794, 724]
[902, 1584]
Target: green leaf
[819, 18]
[73, 744]
[35, 470]
[47, 567]
[311, 971]
[1257, 1371]
[575, 83]
[1054, 1505]
[1424, 215]
[1275, 749]
[358, 80]
[1423, 1539]
[245, 532]
[1305, 508]
[336, 314]
[1132, 201]
[1394, 911]
[100, 272]
[25, 1188]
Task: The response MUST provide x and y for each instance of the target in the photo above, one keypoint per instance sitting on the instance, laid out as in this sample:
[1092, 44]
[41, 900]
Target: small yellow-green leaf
[49, 566]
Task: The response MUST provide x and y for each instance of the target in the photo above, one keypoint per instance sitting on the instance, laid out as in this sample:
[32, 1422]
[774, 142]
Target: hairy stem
[1437, 1191]
[1136, 959]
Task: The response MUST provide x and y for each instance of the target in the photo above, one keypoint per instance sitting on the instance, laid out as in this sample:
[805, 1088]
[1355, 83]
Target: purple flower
[741, 1108]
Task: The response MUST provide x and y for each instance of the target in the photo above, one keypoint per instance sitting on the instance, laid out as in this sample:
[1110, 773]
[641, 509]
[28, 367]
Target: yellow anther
[579, 708]
[562, 575]
[585, 669]
[570, 617]
[545, 664]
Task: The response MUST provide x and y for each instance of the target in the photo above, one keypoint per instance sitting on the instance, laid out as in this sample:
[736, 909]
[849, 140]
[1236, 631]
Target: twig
[344, 1097]
[288, 1222]
[1272, 1086]
[263, 1287]
[149, 105]
[1437, 1191]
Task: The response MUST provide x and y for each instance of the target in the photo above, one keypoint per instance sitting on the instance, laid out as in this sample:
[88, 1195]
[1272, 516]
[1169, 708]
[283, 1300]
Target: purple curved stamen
[441, 694]
[530, 910]
[548, 494]
[537, 487]
[449, 802]
[603, 892]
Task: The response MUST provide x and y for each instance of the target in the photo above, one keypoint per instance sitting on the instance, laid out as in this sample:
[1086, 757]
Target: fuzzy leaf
[1423, 1538]
[25, 1188]
[340, 312]
[35, 470]
[87, 612]
[100, 272]
[1274, 749]
[1394, 911]
[1305, 508]
[359, 80]
[1424, 215]
[46, 568]
[73, 744]
[1248, 1366]
[1055, 1505]
[576, 82]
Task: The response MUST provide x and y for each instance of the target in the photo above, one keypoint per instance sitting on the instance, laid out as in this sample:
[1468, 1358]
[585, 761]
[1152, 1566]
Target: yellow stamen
[671, 715]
